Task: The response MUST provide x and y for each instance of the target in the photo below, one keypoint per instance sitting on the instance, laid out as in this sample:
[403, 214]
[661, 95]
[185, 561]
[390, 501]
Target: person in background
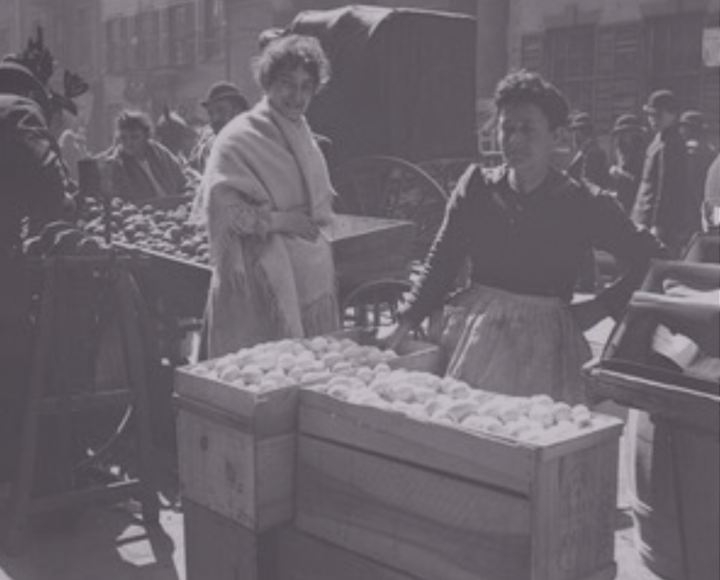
[711, 201]
[33, 193]
[141, 167]
[589, 166]
[223, 103]
[664, 205]
[590, 163]
[526, 228]
[74, 148]
[701, 155]
[265, 195]
[628, 137]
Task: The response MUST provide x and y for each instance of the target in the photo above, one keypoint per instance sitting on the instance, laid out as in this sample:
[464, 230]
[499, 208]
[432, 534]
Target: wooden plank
[216, 548]
[482, 458]
[425, 524]
[606, 428]
[247, 480]
[267, 414]
[683, 406]
[422, 452]
[302, 557]
[574, 504]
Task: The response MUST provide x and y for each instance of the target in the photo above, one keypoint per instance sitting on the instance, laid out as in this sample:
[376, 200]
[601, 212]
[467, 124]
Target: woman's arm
[612, 231]
[448, 251]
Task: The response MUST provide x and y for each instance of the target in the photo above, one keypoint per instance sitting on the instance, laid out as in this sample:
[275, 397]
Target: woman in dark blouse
[525, 228]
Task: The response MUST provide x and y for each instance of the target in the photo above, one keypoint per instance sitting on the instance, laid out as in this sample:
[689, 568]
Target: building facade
[608, 55]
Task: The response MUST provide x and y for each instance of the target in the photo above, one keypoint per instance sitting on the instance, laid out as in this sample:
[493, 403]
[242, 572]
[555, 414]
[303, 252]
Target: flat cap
[224, 90]
[661, 100]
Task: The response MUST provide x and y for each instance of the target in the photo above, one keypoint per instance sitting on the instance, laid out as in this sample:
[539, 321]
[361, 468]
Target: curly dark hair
[132, 120]
[287, 53]
[523, 87]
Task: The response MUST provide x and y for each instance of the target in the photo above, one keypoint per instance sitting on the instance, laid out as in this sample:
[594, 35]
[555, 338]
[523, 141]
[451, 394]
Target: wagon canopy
[403, 82]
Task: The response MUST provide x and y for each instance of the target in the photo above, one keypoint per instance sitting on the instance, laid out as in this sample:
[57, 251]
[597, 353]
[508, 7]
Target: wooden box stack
[425, 501]
[236, 461]
[237, 453]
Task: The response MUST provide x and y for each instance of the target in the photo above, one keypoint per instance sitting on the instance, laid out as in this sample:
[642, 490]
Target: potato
[459, 411]
[340, 392]
[229, 373]
[252, 374]
[562, 412]
[382, 369]
[319, 343]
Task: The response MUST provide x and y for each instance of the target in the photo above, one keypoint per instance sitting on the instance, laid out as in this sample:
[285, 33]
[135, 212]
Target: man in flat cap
[222, 103]
[590, 163]
[701, 154]
[664, 205]
[629, 144]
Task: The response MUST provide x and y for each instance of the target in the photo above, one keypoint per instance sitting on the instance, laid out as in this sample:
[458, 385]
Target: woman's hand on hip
[294, 223]
[588, 313]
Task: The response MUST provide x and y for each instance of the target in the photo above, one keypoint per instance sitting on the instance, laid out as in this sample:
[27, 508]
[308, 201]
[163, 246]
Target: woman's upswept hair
[287, 53]
[523, 87]
[132, 120]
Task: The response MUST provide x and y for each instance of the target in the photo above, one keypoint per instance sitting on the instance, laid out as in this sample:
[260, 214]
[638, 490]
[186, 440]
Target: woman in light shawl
[265, 195]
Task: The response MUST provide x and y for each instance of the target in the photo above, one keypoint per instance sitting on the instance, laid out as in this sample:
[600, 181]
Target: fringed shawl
[263, 161]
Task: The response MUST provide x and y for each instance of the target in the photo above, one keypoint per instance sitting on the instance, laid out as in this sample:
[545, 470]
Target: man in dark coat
[701, 155]
[590, 163]
[32, 188]
[223, 102]
[664, 205]
[628, 135]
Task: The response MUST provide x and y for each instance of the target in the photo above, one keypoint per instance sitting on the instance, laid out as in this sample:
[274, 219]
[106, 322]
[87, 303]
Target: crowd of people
[262, 187]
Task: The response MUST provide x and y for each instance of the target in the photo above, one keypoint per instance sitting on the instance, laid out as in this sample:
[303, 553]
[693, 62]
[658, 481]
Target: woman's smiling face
[525, 136]
[291, 92]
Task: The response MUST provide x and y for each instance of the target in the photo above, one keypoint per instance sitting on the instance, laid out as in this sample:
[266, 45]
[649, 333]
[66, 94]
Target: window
[117, 45]
[570, 54]
[181, 34]
[213, 28]
[147, 39]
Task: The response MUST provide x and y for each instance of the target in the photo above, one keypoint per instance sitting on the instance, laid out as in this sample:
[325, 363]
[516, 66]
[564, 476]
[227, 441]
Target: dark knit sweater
[531, 244]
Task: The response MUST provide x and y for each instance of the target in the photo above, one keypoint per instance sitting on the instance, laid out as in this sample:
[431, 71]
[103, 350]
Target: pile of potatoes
[537, 419]
[294, 362]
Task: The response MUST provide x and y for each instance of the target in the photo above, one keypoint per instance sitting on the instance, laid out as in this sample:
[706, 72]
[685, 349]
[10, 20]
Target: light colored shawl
[265, 161]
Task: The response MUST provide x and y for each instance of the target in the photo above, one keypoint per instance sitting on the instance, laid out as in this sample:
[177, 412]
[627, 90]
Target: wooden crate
[302, 557]
[436, 502]
[217, 548]
[237, 450]
[369, 248]
[416, 355]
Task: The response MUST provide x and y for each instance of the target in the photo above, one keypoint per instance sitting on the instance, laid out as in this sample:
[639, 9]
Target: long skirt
[515, 344]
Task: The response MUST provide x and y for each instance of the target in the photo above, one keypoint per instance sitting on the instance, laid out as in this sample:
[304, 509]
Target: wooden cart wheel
[389, 187]
[446, 172]
[373, 305]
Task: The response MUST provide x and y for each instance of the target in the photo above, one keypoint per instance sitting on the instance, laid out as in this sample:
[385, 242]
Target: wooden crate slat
[302, 557]
[426, 524]
[245, 479]
[501, 462]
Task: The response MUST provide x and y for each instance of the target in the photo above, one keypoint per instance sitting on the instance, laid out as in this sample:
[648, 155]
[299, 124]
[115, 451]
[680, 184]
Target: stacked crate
[237, 453]
[294, 484]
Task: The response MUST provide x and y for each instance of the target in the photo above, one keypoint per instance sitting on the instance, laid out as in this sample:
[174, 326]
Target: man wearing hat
[628, 138]
[222, 103]
[664, 205]
[33, 190]
[701, 154]
[590, 162]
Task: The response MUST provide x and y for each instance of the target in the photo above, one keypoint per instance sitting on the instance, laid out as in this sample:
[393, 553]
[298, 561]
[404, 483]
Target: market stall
[663, 360]
[326, 457]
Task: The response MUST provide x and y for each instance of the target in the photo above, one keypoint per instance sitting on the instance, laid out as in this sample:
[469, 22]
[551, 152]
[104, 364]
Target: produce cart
[368, 251]
[663, 360]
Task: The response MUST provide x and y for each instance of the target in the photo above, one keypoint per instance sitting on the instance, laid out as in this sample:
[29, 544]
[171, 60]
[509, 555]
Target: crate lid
[671, 329]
